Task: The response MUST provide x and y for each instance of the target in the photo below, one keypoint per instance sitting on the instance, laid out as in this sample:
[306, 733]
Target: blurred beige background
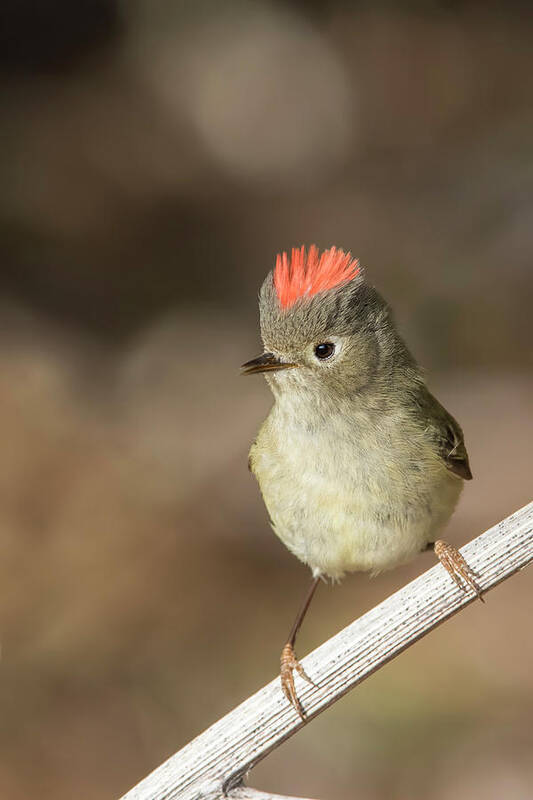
[156, 156]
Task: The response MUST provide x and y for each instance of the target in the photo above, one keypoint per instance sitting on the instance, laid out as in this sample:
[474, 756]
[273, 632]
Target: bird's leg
[456, 566]
[288, 660]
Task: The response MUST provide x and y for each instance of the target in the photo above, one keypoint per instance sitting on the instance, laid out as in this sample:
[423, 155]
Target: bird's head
[321, 325]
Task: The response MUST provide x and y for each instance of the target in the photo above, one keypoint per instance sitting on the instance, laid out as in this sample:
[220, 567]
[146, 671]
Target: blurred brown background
[155, 157]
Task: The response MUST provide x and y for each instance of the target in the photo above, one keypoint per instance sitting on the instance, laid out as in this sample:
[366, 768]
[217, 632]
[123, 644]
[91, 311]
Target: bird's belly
[361, 519]
[333, 536]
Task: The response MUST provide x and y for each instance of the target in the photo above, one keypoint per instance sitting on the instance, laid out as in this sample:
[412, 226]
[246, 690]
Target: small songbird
[360, 467]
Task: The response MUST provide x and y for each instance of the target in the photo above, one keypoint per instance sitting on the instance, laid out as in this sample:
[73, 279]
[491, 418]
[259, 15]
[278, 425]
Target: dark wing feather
[453, 450]
[449, 438]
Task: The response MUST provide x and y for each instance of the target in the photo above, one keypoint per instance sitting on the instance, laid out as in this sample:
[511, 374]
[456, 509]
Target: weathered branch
[247, 793]
[213, 765]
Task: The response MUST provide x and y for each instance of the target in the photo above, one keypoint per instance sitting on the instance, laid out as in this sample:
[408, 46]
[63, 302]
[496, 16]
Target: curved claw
[289, 663]
[456, 566]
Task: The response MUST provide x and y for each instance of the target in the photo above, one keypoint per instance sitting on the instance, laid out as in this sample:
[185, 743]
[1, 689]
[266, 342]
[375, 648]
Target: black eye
[324, 350]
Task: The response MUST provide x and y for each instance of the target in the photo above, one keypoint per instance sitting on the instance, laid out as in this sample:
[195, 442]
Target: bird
[360, 467]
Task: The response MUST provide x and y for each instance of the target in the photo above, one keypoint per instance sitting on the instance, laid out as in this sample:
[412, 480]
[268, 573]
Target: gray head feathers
[352, 316]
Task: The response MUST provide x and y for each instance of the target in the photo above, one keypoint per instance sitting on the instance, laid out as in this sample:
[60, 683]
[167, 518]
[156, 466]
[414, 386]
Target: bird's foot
[456, 566]
[289, 663]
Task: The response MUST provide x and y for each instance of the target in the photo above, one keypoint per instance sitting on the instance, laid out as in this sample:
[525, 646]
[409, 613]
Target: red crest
[307, 274]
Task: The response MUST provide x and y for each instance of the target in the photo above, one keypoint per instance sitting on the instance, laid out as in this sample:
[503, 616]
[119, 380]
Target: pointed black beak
[268, 362]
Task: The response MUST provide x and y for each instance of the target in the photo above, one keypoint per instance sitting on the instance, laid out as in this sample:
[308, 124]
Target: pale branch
[247, 793]
[213, 765]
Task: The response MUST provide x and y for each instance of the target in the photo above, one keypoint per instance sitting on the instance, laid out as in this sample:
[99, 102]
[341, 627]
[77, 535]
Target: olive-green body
[360, 467]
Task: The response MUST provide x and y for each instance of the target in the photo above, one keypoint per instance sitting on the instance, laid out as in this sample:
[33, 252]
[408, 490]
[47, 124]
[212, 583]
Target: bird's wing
[453, 450]
[449, 439]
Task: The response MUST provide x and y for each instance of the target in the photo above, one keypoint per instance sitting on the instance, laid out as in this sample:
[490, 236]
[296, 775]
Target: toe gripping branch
[456, 566]
[289, 663]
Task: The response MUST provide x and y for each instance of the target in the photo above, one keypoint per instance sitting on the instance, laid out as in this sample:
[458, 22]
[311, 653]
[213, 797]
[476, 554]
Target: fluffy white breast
[350, 492]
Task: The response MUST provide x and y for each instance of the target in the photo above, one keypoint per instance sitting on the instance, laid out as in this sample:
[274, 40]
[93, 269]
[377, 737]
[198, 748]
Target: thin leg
[289, 662]
[456, 566]
[302, 612]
